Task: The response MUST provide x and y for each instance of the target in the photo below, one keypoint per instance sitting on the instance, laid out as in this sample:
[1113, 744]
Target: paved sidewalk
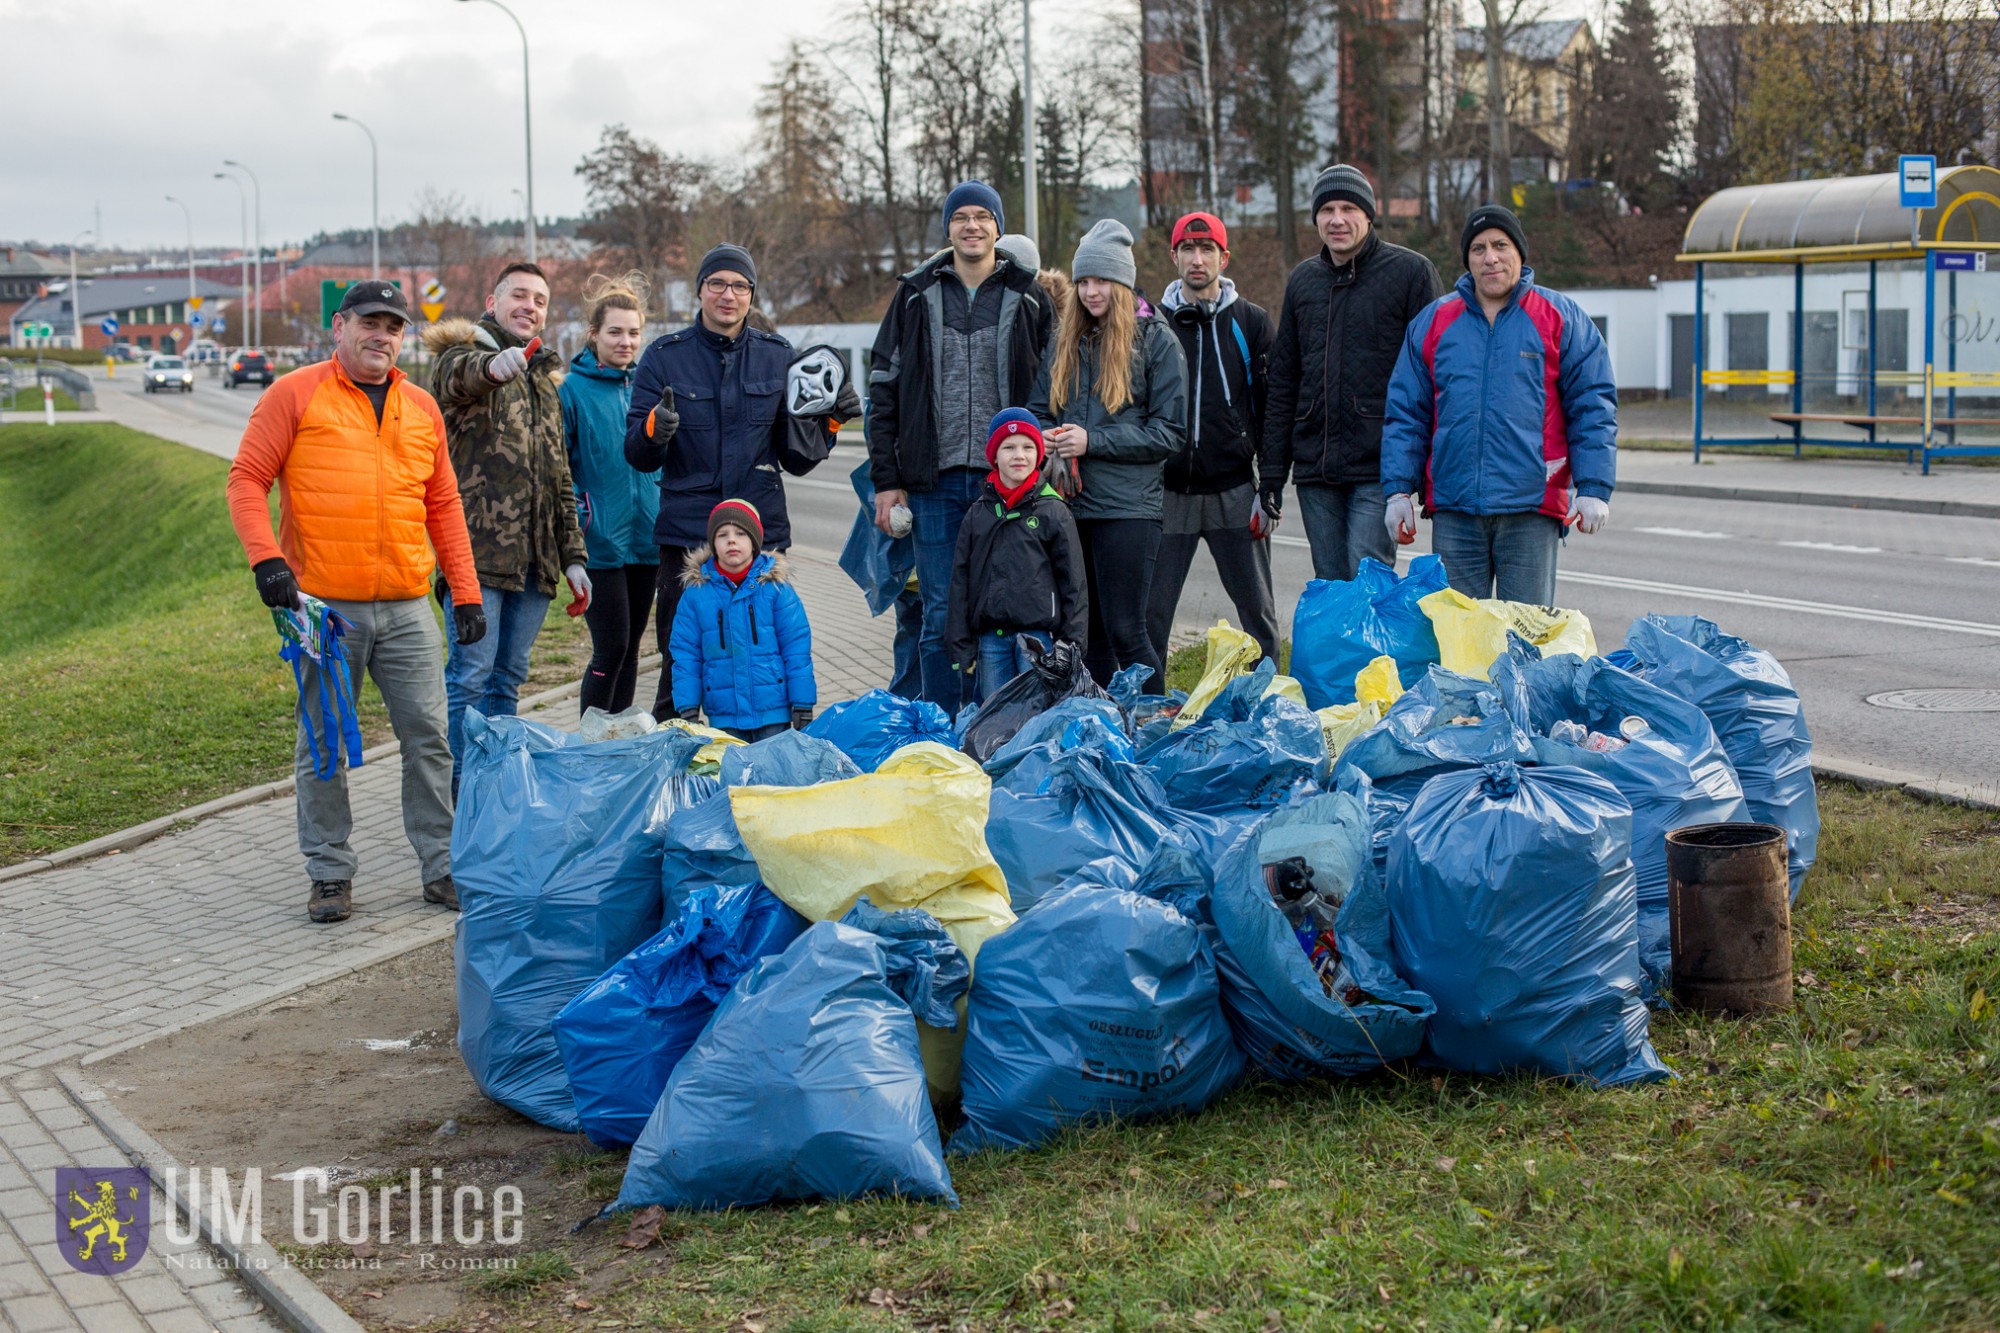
[1859, 483]
[102, 954]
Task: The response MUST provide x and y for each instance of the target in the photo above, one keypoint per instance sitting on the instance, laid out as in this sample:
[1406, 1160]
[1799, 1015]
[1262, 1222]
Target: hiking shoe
[331, 900]
[441, 890]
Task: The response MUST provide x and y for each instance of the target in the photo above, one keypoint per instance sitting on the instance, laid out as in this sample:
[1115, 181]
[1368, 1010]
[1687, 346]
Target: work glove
[1588, 515]
[691, 715]
[801, 718]
[663, 421]
[1262, 521]
[468, 621]
[275, 584]
[579, 583]
[1401, 519]
[506, 365]
[846, 404]
[1272, 500]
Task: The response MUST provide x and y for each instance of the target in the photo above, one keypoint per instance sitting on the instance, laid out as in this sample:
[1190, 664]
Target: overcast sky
[130, 102]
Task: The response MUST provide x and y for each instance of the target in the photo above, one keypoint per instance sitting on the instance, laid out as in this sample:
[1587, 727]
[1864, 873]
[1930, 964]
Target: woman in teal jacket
[616, 503]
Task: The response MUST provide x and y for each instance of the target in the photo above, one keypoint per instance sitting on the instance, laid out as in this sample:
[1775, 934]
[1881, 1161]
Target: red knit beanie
[1014, 421]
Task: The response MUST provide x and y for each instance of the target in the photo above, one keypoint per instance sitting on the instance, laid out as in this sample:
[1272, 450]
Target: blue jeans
[1345, 523]
[908, 677]
[1004, 655]
[935, 516]
[1509, 556]
[487, 675]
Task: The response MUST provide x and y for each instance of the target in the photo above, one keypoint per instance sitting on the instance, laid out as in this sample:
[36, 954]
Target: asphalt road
[1856, 603]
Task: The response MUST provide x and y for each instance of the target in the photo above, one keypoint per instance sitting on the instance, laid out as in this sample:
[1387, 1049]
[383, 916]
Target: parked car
[169, 372]
[126, 352]
[246, 366]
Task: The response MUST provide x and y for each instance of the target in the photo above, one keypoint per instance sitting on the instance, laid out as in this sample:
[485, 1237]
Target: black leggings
[1118, 559]
[619, 602]
[673, 559]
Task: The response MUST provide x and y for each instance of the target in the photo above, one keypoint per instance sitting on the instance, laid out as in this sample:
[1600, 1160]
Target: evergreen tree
[1634, 111]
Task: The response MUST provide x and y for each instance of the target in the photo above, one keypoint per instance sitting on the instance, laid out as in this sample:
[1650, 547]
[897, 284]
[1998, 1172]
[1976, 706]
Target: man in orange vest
[366, 494]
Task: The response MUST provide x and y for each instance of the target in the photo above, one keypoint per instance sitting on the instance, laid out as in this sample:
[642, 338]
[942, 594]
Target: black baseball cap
[376, 297]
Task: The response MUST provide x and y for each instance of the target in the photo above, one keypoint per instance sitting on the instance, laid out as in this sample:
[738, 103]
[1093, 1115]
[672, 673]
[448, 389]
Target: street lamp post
[189, 216]
[374, 195]
[531, 222]
[76, 292]
[242, 258]
[527, 121]
[1031, 205]
[257, 210]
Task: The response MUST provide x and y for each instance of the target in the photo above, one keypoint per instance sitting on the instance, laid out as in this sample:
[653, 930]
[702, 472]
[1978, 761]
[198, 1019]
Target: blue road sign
[194, 318]
[1916, 173]
[1961, 261]
[109, 328]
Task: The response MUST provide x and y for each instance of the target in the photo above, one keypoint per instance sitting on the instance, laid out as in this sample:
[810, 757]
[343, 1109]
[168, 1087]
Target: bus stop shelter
[1854, 377]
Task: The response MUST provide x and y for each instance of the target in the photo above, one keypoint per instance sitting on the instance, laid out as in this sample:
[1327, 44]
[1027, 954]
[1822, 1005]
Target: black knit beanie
[1490, 217]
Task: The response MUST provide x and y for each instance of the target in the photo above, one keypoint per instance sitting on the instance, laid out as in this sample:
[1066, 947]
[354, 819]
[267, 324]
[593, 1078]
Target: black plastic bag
[1058, 674]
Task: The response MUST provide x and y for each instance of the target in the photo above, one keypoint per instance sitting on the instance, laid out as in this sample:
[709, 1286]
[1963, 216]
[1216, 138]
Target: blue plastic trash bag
[1669, 766]
[1034, 740]
[807, 1082]
[1444, 721]
[1090, 808]
[875, 726]
[1340, 628]
[879, 564]
[1756, 713]
[622, 1036]
[557, 853]
[703, 847]
[1246, 751]
[1290, 1023]
[1512, 906]
[1099, 1004]
[788, 759]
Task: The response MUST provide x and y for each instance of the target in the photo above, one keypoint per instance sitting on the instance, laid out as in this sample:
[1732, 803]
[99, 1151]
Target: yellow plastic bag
[910, 834]
[1231, 653]
[1341, 724]
[708, 759]
[1472, 634]
[1380, 682]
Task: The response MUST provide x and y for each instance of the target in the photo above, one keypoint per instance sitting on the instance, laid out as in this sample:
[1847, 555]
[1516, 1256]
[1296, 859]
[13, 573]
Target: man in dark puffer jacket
[1338, 338]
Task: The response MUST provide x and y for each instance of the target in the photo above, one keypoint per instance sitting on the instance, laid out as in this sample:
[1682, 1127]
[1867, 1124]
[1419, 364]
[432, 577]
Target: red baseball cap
[1200, 224]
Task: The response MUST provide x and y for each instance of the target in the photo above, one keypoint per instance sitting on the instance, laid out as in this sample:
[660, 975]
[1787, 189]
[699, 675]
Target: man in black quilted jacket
[1342, 327]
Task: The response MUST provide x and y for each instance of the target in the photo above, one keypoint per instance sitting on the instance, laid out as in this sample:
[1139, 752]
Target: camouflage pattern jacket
[506, 444]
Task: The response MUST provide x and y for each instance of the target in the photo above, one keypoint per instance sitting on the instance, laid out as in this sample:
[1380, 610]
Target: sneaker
[442, 890]
[331, 900]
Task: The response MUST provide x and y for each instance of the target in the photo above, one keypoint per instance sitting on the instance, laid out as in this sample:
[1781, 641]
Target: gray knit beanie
[1341, 181]
[1106, 252]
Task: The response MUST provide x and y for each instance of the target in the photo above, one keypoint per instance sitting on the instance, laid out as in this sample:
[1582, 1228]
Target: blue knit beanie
[974, 193]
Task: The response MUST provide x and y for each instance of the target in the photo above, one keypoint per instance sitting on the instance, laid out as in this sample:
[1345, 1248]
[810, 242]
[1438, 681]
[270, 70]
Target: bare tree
[445, 239]
[1279, 47]
[802, 177]
[639, 198]
[871, 63]
[1087, 129]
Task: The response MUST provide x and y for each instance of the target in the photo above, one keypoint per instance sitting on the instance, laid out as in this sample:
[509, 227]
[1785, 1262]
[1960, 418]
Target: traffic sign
[1917, 175]
[331, 290]
[1961, 261]
[195, 319]
[109, 328]
[216, 327]
[433, 291]
[194, 302]
[431, 309]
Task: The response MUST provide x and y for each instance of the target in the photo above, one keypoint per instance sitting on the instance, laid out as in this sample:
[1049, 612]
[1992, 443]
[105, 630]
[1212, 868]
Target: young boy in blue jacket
[742, 648]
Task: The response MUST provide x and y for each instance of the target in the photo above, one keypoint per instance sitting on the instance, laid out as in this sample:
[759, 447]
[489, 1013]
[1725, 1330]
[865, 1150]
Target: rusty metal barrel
[1729, 909]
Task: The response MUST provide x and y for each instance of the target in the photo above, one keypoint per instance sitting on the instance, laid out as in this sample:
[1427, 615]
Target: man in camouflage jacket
[496, 386]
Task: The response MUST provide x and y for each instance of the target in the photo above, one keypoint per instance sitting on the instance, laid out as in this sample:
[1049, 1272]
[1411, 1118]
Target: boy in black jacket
[1018, 570]
[1211, 482]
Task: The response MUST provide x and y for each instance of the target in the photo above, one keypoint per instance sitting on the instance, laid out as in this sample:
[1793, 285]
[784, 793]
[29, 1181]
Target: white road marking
[1834, 546]
[1972, 560]
[1696, 533]
[1746, 598]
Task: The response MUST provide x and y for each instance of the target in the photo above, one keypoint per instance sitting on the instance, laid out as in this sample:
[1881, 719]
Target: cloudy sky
[136, 101]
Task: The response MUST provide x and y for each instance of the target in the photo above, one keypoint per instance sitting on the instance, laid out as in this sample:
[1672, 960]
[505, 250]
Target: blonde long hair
[1114, 336]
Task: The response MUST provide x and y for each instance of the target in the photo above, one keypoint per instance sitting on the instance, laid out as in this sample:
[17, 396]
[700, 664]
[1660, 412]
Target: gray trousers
[1344, 524]
[400, 645]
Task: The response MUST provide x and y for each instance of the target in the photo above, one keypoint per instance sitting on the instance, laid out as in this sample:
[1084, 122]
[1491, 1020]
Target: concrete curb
[1873, 777]
[286, 1292]
[126, 839]
[1942, 508]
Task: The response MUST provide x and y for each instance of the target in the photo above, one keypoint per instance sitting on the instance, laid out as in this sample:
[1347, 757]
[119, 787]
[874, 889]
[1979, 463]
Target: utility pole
[374, 196]
[242, 259]
[257, 208]
[190, 238]
[76, 291]
[527, 121]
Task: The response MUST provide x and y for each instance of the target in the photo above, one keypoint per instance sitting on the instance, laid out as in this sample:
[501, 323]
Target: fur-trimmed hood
[768, 567]
[1057, 284]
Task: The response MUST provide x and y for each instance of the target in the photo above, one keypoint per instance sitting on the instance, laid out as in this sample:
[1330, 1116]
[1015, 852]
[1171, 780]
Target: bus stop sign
[1917, 175]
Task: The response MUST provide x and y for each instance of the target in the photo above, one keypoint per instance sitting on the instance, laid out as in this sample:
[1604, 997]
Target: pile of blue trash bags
[1478, 883]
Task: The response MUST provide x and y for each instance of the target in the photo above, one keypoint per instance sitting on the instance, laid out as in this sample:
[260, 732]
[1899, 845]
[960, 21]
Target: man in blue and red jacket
[1503, 417]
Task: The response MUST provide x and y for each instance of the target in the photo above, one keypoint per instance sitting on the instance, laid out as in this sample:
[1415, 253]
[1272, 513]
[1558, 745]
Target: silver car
[168, 372]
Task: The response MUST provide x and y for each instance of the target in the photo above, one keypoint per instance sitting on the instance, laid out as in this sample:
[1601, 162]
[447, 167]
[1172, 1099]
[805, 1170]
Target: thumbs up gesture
[506, 365]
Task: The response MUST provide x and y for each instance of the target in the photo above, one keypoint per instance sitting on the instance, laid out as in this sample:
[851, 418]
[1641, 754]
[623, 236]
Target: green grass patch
[30, 400]
[1837, 1168]
[139, 674]
[532, 1271]
[71, 356]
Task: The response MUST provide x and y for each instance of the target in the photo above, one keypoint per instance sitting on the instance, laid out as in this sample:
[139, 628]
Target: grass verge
[30, 400]
[138, 672]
